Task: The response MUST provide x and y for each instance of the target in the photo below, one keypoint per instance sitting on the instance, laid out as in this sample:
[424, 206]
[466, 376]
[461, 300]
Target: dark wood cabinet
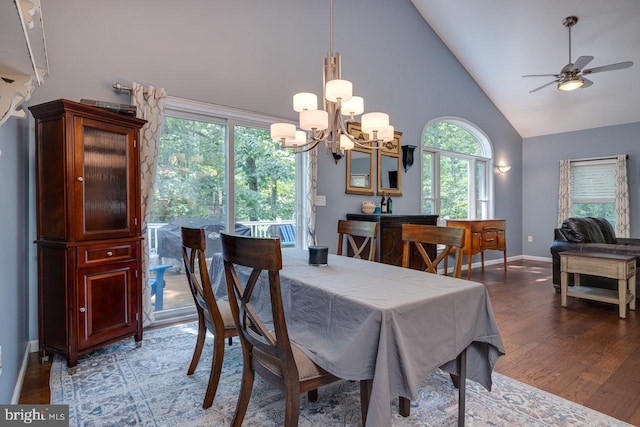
[88, 227]
[389, 247]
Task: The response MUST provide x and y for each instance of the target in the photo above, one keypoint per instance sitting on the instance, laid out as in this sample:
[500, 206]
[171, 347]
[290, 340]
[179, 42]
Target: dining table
[363, 320]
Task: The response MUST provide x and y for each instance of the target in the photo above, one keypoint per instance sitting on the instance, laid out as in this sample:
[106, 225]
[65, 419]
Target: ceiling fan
[572, 75]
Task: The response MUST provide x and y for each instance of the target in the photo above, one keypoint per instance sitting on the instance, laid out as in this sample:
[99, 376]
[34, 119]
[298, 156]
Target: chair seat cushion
[307, 369]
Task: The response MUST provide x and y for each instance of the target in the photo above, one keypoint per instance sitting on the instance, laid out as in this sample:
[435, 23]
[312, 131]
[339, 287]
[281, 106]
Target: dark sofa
[590, 235]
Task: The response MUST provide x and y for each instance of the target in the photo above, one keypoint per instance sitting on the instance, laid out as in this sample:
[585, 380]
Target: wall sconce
[503, 168]
[407, 156]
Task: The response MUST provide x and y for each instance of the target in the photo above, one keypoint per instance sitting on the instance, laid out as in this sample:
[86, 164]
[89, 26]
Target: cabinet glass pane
[105, 180]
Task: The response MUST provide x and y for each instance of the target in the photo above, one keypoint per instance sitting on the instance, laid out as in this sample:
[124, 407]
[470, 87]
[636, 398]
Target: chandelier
[328, 125]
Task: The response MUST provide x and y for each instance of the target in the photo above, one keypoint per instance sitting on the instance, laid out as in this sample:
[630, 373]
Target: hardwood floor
[584, 352]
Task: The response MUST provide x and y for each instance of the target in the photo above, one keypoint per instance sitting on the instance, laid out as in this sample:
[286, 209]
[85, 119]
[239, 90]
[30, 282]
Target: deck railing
[258, 229]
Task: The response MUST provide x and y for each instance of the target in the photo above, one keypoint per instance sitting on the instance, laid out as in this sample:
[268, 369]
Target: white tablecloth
[359, 320]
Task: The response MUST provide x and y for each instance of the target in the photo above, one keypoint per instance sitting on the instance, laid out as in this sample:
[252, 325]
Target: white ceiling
[499, 41]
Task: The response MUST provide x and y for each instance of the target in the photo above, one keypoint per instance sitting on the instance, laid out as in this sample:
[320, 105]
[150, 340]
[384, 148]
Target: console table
[621, 267]
[481, 235]
[389, 247]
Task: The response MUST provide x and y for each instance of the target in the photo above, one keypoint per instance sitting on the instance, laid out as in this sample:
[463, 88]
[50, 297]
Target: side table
[621, 267]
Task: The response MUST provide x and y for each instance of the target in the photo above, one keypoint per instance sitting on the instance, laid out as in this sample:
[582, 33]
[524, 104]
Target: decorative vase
[368, 207]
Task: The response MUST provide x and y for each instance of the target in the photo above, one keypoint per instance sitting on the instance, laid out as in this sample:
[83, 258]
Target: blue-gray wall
[14, 251]
[541, 168]
[252, 55]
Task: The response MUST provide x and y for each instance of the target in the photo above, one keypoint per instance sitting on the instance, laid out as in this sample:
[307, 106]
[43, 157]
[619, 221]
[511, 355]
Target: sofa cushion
[607, 230]
[582, 230]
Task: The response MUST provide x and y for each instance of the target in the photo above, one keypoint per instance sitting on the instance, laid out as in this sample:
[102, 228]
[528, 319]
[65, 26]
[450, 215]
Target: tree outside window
[456, 160]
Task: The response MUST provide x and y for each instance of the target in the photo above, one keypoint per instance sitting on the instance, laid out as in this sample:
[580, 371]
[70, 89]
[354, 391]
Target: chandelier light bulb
[338, 89]
[305, 101]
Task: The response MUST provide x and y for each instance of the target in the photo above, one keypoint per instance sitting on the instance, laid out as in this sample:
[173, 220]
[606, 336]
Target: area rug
[124, 384]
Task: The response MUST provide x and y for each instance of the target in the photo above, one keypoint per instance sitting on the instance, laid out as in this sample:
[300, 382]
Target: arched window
[457, 161]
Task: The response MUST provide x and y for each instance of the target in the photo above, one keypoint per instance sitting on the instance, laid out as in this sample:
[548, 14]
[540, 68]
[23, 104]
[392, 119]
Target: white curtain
[622, 198]
[150, 106]
[310, 190]
[564, 192]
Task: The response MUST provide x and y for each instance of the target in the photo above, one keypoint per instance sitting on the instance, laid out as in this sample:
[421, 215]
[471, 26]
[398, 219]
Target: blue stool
[158, 282]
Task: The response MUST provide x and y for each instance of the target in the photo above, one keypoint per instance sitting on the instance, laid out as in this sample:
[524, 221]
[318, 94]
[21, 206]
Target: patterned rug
[123, 384]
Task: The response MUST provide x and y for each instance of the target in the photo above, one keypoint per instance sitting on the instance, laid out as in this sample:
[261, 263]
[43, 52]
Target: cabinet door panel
[106, 303]
[104, 178]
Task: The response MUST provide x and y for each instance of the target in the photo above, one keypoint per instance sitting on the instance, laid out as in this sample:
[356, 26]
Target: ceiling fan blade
[587, 83]
[610, 67]
[543, 86]
[581, 62]
[542, 75]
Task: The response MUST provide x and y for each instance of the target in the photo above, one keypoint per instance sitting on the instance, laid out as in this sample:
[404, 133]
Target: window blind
[593, 181]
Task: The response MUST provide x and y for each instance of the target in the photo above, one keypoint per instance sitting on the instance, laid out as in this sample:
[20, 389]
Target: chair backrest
[286, 232]
[258, 255]
[194, 246]
[451, 238]
[367, 231]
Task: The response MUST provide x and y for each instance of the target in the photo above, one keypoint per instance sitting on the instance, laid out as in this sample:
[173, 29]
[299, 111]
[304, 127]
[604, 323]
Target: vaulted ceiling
[499, 41]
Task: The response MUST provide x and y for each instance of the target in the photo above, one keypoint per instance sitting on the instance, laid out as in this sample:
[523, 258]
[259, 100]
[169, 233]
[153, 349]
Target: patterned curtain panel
[150, 106]
[564, 191]
[622, 198]
[310, 190]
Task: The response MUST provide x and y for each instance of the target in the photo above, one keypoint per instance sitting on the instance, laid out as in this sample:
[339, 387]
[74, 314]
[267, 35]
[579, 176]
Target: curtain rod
[598, 158]
[121, 88]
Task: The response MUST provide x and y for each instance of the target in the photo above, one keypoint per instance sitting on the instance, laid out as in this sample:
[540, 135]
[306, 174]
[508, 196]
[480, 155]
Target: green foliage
[596, 210]
[191, 173]
[451, 137]
[454, 170]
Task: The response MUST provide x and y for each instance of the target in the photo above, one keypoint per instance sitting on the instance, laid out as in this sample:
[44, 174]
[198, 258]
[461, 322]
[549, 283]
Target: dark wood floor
[584, 352]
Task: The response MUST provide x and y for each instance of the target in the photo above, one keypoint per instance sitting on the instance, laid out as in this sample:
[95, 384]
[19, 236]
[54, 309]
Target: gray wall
[256, 55]
[14, 251]
[252, 55]
[541, 168]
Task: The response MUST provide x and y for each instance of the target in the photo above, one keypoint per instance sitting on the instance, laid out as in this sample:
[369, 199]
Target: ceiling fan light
[571, 84]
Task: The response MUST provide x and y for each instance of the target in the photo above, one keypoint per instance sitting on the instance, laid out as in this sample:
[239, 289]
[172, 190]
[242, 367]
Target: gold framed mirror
[389, 167]
[360, 165]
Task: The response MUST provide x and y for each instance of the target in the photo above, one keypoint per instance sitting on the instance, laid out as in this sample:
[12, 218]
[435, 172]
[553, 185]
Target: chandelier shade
[374, 122]
[314, 120]
[339, 90]
[305, 101]
[283, 131]
[327, 125]
[354, 106]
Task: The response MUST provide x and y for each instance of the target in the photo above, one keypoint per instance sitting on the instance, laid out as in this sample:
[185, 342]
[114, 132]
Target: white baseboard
[29, 348]
[537, 258]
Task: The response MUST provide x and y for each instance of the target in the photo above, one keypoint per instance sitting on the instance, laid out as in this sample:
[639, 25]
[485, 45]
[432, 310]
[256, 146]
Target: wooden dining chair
[359, 234]
[450, 239]
[269, 352]
[214, 316]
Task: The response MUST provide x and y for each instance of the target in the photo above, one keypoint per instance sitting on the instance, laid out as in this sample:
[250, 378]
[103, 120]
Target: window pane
[451, 137]
[603, 210]
[189, 191]
[454, 187]
[265, 184]
[481, 190]
[191, 167]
